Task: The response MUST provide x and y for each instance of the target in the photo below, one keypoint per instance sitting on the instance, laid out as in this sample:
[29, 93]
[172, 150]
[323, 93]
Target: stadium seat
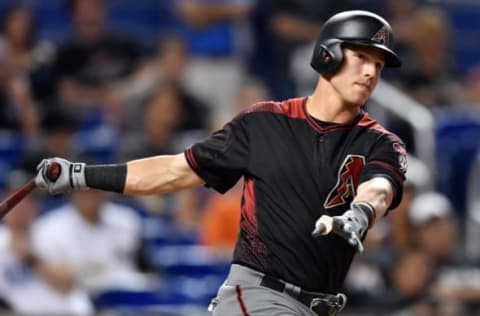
[457, 139]
[11, 147]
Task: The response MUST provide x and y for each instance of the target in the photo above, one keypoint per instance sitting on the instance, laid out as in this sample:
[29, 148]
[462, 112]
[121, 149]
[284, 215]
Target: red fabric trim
[251, 245]
[325, 129]
[297, 108]
[241, 301]
[291, 108]
[249, 201]
[370, 123]
[191, 158]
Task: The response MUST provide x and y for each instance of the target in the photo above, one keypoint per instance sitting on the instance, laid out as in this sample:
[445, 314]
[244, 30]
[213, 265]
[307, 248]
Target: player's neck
[325, 104]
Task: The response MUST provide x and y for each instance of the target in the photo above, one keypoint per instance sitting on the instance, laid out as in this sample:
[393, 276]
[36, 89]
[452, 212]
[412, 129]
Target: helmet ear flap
[327, 56]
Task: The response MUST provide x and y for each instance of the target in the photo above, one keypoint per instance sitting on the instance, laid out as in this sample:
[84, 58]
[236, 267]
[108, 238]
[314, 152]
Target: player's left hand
[351, 225]
[70, 176]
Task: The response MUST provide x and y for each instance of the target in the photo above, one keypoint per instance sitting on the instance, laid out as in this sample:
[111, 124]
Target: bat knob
[53, 171]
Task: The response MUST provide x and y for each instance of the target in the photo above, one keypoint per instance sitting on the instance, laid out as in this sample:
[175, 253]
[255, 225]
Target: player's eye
[360, 56]
[379, 65]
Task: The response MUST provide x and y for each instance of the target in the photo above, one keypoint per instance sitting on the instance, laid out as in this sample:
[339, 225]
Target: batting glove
[71, 176]
[351, 225]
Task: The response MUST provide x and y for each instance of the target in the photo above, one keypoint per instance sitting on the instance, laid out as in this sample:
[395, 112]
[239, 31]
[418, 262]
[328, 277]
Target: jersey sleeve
[388, 159]
[221, 159]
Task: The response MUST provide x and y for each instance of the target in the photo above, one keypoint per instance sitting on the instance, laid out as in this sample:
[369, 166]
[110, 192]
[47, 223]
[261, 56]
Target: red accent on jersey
[191, 159]
[291, 108]
[348, 178]
[251, 245]
[367, 121]
[330, 128]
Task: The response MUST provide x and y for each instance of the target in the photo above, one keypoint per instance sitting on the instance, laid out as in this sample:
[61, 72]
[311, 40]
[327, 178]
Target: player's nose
[371, 70]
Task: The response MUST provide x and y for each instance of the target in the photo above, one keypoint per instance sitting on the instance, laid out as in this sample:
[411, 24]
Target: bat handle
[53, 171]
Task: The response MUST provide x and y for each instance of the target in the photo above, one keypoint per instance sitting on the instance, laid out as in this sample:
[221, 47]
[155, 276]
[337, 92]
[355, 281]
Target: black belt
[320, 303]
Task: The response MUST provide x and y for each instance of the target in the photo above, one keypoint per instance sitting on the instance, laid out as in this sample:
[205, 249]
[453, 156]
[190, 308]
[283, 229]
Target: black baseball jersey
[296, 169]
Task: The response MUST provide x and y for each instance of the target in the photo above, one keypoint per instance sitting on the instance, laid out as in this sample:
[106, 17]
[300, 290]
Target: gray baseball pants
[245, 293]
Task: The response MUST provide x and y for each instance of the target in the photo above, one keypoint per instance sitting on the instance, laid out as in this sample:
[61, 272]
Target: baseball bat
[52, 173]
[323, 226]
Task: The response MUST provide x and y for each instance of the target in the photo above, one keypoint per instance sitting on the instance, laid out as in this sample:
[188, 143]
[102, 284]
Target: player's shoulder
[290, 107]
[374, 126]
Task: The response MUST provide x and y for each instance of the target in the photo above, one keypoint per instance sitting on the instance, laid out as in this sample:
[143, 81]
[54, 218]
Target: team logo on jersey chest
[347, 181]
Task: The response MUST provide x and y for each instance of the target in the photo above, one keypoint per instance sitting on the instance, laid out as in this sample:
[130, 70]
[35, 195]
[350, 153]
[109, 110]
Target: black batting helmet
[355, 27]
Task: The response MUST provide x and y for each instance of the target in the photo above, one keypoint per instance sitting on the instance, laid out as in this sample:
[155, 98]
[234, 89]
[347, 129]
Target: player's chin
[358, 99]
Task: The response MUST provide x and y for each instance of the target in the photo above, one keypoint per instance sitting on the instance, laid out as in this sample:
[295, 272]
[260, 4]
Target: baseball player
[318, 174]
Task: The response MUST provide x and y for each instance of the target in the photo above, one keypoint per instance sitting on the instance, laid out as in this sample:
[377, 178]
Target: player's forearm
[378, 192]
[159, 174]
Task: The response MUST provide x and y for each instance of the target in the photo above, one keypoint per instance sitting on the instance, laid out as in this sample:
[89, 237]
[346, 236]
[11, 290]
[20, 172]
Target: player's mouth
[363, 85]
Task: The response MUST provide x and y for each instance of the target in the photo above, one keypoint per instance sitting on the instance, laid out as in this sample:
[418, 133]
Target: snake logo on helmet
[354, 27]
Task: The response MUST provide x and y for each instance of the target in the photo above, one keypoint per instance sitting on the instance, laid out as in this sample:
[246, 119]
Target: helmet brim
[391, 58]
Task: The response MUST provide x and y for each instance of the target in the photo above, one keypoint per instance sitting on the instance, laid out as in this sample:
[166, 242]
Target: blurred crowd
[104, 94]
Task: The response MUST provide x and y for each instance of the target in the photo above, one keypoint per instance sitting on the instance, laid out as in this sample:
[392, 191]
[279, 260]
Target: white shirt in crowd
[102, 254]
[28, 293]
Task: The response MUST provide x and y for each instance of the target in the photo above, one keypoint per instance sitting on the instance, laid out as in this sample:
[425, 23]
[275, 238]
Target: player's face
[359, 73]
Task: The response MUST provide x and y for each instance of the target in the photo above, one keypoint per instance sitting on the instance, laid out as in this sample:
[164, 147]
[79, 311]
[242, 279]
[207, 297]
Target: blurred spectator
[418, 179]
[293, 25]
[250, 92]
[58, 127]
[217, 34]
[18, 35]
[167, 67]
[432, 217]
[399, 13]
[17, 108]
[89, 67]
[159, 134]
[161, 118]
[428, 72]
[29, 284]
[97, 239]
[472, 84]
[437, 235]
[411, 277]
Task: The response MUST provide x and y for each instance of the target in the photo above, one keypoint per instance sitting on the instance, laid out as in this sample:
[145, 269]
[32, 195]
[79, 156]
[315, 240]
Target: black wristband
[368, 209]
[106, 177]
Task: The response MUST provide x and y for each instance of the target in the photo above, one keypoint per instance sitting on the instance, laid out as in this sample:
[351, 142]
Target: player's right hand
[71, 176]
[351, 226]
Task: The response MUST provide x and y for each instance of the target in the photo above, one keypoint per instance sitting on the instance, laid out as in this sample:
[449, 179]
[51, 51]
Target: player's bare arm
[371, 203]
[378, 192]
[160, 174]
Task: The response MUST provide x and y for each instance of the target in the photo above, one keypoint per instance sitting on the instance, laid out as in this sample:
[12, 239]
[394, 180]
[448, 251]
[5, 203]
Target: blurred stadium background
[106, 81]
